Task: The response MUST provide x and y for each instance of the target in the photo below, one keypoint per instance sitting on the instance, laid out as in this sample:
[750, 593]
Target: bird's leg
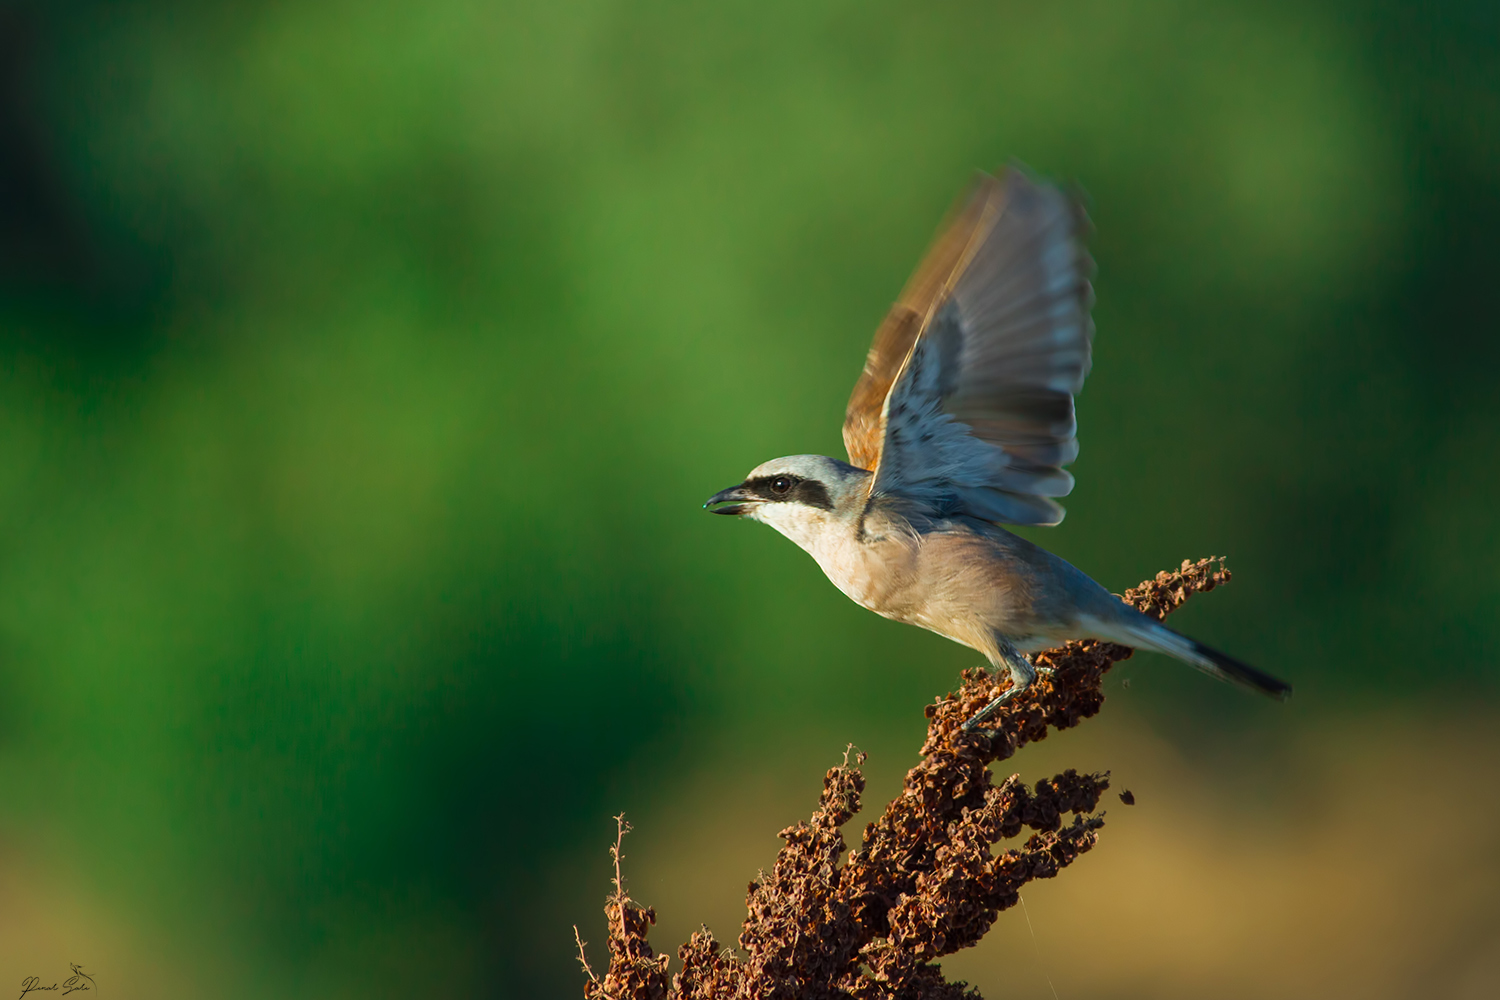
[1022, 675]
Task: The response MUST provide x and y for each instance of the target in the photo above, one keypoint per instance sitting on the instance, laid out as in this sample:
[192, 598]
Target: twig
[926, 880]
[621, 829]
[583, 958]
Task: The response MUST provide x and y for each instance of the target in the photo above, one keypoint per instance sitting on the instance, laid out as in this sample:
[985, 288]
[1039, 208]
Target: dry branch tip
[926, 880]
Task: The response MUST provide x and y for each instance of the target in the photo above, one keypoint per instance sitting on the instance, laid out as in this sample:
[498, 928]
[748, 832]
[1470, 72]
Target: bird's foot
[1022, 675]
[972, 724]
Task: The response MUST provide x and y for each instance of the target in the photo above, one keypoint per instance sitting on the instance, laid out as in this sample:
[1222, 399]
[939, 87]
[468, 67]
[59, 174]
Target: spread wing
[966, 400]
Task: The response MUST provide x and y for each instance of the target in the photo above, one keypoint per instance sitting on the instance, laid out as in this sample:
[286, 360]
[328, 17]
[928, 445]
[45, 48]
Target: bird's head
[798, 495]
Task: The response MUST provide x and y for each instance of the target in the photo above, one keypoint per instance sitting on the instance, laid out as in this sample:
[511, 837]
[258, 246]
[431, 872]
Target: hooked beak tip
[724, 502]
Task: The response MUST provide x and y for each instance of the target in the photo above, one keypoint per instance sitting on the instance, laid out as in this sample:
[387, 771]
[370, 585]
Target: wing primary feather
[904, 323]
[966, 398]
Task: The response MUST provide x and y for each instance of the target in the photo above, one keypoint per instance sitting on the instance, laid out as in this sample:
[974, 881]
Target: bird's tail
[1147, 633]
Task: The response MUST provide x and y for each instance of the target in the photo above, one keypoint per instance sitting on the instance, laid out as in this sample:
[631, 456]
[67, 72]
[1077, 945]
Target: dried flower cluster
[926, 880]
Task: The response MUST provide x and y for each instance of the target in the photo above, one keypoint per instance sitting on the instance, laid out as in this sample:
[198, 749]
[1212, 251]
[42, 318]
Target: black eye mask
[795, 489]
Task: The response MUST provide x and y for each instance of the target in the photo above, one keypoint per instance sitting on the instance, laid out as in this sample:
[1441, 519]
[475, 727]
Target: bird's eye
[781, 484]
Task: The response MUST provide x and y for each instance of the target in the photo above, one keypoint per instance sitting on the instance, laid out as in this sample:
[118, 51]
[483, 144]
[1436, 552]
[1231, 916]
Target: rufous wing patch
[864, 419]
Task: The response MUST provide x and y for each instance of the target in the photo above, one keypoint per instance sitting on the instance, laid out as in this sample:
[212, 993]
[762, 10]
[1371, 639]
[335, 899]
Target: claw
[990, 709]
[1022, 674]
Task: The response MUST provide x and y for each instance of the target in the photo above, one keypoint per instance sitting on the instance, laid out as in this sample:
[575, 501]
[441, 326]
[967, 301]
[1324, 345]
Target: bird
[961, 423]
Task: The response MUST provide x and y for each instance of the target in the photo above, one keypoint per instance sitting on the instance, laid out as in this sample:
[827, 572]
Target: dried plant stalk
[926, 880]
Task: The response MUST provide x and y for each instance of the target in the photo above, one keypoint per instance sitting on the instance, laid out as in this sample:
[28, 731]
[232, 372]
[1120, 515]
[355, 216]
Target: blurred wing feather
[979, 361]
[864, 425]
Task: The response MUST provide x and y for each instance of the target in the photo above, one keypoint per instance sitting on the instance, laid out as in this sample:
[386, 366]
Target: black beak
[733, 500]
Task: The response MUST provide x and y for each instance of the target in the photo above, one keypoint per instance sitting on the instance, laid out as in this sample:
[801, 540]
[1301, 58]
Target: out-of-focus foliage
[362, 366]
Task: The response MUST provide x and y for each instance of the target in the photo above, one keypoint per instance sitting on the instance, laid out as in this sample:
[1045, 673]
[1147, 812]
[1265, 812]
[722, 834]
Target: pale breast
[874, 573]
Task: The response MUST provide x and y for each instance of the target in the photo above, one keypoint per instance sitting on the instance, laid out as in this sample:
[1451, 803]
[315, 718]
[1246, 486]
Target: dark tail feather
[1243, 673]
[1149, 634]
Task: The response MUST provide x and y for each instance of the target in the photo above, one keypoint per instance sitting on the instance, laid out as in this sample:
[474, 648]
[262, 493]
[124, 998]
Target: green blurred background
[363, 367]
